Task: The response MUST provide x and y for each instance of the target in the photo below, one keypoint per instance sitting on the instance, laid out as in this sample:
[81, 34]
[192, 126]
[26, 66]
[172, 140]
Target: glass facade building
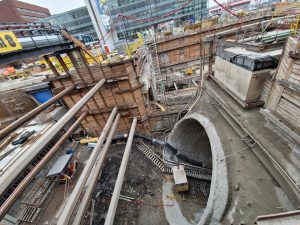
[195, 10]
[76, 21]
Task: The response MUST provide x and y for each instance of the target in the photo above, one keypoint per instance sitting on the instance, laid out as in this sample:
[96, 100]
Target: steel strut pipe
[71, 202]
[20, 188]
[110, 216]
[14, 170]
[19, 122]
[94, 176]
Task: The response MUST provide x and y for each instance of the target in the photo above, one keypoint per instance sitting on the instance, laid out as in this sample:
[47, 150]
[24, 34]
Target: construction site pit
[148, 194]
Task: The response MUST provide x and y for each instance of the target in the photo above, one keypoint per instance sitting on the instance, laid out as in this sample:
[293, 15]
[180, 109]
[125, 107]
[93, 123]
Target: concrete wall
[246, 85]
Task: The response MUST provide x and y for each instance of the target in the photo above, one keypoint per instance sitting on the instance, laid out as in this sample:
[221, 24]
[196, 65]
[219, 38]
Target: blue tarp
[42, 96]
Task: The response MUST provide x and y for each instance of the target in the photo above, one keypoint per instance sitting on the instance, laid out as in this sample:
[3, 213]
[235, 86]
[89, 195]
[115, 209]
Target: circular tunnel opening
[191, 144]
[195, 143]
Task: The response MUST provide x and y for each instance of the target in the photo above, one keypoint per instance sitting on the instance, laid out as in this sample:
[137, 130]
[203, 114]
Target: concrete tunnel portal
[192, 143]
[197, 142]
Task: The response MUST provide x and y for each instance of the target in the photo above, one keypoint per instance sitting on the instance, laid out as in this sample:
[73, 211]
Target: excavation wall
[122, 89]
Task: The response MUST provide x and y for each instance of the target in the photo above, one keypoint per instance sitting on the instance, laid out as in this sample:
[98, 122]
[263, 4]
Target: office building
[78, 23]
[195, 10]
[100, 22]
[17, 11]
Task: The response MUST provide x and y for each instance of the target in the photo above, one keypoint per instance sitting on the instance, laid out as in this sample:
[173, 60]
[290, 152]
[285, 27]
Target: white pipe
[110, 216]
[176, 88]
[95, 174]
[71, 202]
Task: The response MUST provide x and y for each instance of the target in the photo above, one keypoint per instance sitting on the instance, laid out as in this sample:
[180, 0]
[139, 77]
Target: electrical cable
[226, 9]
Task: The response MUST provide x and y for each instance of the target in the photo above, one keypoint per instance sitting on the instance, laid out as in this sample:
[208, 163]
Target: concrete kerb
[219, 190]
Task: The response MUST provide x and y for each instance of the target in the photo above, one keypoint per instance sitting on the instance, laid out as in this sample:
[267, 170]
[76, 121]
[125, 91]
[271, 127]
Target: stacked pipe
[95, 174]
[119, 182]
[269, 38]
[73, 200]
[13, 172]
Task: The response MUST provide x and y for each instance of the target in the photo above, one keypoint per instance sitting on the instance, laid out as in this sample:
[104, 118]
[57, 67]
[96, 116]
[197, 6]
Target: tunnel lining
[194, 145]
[219, 190]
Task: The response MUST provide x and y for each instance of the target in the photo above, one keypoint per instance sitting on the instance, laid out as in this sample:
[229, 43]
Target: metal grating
[29, 214]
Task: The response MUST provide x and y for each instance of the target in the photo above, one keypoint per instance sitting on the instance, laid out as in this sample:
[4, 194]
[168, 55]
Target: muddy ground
[145, 185]
[142, 182]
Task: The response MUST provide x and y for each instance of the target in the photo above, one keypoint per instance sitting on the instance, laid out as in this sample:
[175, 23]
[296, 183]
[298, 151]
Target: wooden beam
[289, 85]
[51, 66]
[60, 77]
[129, 90]
[294, 55]
[110, 64]
[63, 64]
[74, 62]
[109, 109]
[78, 86]
[119, 78]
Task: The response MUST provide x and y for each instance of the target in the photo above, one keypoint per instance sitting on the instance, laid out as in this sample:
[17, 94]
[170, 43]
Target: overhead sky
[58, 6]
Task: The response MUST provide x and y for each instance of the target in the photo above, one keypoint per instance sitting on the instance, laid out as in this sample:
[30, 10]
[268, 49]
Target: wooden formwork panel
[266, 90]
[122, 89]
[282, 99]
[182, 55]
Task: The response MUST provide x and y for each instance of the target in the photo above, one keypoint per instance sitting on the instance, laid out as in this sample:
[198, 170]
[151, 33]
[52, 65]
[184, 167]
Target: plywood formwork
[182, 55]
[122, 89]
[284, 97]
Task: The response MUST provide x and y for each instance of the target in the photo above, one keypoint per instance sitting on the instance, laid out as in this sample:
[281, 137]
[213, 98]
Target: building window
[30, 17]
[31, 11]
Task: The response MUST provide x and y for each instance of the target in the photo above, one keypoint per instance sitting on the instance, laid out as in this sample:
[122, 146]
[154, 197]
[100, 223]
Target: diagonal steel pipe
[110, 216]
[20, 188]
[19, 122]
[94, 176]
[71, 202]
[8, 177]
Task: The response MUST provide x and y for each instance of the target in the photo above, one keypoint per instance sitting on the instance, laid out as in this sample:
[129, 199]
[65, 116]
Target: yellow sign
[9, 42]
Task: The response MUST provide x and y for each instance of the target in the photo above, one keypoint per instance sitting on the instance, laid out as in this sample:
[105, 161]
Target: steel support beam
[51, 66]
[94, 176]
[24, 54]
[13, 126]
[20, 188]
[110, 216]
[63, 64]
[8, 177]
[71, 202]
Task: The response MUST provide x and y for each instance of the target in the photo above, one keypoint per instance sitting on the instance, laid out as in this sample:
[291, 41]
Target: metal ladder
[156, 76]
[166, 168]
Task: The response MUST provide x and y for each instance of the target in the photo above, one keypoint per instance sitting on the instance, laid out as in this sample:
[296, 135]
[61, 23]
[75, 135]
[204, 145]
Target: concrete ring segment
[196, 138]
